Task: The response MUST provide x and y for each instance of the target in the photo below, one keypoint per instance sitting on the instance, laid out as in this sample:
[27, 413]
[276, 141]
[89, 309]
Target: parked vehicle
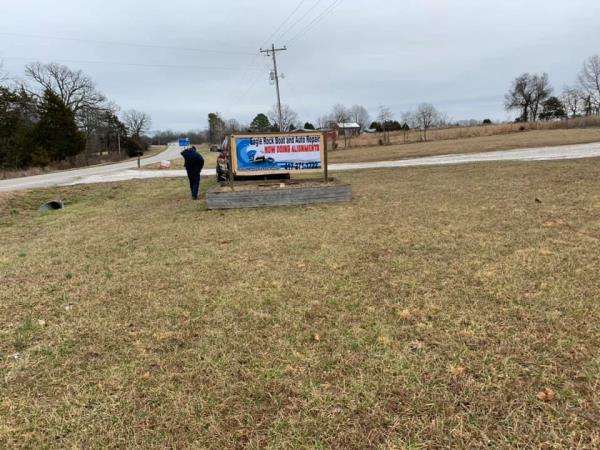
[223, 165]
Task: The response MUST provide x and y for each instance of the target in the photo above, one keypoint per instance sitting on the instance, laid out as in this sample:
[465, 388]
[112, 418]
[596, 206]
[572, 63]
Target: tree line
[531, 95]
[219, 127]
[424, 117]
[57, 115]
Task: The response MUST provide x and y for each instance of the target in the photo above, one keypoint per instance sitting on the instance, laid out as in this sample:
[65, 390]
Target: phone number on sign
[301, 165]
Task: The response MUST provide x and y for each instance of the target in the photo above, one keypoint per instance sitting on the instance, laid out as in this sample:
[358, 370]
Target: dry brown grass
[65, 165]
[413, 136]
[527, 139]
[473, 144]
[443, 307]
[6, 174]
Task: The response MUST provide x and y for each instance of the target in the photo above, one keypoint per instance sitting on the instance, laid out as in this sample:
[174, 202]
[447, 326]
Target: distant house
[348, 129]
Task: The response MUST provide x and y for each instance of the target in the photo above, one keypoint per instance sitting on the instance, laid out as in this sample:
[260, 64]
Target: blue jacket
[194, 162]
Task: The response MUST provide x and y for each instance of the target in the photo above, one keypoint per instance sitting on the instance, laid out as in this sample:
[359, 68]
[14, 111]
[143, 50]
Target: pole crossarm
[273, 52]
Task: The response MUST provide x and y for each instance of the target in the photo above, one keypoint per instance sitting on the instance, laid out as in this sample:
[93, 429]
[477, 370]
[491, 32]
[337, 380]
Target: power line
[273, 52]
[315, 21]
[254, 80]
[126, 44]
[284, 23]
[247, 91]
[317, 3]
[118, 63]
[286, 20]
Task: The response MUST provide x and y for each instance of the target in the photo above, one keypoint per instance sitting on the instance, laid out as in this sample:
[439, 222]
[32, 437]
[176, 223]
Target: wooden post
[325, 159]
[231, 175]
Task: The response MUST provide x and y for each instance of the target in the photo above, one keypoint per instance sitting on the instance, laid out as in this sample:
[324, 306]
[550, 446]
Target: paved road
[577, 151]
[67, 177]
[124, 171]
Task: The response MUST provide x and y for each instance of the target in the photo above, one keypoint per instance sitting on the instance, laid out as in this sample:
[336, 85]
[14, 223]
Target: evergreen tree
[376, 126]
[17, 117]
[133, 146]
[553, 109]
[216, 128]
[260, 124]
[56, 136]
[309, 126]
[393, 125]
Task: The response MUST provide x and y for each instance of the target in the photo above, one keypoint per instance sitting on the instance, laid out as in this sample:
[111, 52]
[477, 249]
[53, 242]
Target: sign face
[184, 142]
[275, 153]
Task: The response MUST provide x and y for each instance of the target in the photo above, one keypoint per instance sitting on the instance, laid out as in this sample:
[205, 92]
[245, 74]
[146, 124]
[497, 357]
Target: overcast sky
[460, 55]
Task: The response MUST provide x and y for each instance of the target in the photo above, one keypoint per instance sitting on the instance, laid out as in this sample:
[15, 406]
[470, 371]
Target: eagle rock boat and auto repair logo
[277, 153]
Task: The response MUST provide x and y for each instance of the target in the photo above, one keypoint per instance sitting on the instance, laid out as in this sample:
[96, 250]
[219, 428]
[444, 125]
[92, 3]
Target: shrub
[133, 147]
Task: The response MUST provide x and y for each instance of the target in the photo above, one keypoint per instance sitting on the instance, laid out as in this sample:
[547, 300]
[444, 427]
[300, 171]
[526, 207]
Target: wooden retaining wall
[277, 196]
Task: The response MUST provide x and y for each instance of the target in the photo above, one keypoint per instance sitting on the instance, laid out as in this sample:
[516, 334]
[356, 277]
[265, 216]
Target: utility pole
[273, 52]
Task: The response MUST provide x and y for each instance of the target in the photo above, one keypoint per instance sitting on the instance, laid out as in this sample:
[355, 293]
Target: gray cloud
[460, 55]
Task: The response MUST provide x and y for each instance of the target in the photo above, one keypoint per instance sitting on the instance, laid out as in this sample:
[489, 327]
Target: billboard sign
[258, 154]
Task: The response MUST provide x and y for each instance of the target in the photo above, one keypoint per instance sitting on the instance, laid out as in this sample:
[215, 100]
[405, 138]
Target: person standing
[194, 163]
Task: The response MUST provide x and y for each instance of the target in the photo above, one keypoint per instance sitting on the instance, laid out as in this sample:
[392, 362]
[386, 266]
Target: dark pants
[194, 177]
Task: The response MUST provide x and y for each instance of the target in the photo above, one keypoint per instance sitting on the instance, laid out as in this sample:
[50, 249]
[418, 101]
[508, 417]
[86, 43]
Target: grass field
[443, 307]
[526, 139]
[65, 165]
[443, 134]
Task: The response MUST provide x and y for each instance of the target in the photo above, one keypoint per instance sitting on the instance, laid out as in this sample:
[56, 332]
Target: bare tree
[74, 88]
[572, 99]
[289, 118]
[94, 122]
[3, 74]
[527, 94]
[426, 117]
[360, 115]
[342, 115]
[589, 79]
[324, 122]
[519, 96]
[232, 126]
[137, 122]
[385, 116]
[445, 120]
[407, 123]
[542, 91]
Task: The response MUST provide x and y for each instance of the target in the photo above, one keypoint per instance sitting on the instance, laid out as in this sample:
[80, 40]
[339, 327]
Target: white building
[348, 128]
